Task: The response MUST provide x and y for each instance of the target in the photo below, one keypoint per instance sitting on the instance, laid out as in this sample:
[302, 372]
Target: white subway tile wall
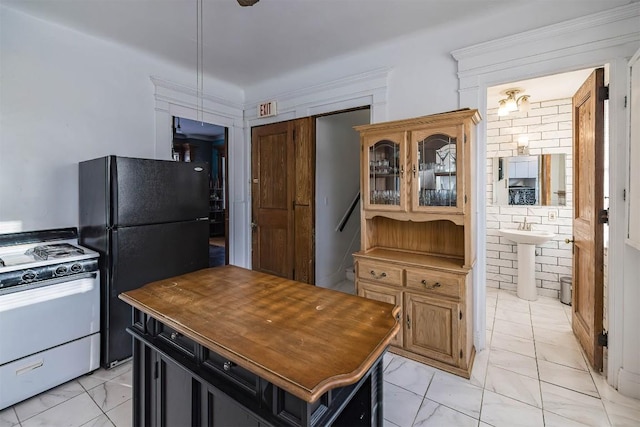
[548, 128]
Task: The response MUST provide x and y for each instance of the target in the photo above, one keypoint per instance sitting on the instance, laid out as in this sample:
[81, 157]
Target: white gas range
[49, 312]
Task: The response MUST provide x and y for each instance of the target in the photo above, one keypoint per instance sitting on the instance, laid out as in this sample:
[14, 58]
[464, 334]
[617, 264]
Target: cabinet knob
[174, 335]
[568, 241]
[401, 171]
[383, 274]
[227, 366]
[414, 171]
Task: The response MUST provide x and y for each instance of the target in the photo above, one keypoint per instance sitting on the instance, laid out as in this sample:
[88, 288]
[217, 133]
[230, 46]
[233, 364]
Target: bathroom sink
[527, 241]
[526, 237]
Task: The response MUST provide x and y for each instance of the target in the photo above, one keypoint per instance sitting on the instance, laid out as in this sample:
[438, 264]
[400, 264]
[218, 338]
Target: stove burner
[56, 250]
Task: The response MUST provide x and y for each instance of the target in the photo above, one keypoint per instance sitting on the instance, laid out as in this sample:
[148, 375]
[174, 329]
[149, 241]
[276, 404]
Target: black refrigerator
[148, 219]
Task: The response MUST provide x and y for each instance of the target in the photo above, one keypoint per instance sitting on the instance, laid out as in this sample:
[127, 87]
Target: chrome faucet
[526, 226]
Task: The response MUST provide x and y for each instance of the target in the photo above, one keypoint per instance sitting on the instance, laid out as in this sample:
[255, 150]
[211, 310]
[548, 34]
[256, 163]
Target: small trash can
[566, 287]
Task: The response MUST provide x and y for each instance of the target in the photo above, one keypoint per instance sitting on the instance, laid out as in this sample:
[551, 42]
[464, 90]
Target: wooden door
[588, 202]
[282, 191]
[433, 328]
[384, 294]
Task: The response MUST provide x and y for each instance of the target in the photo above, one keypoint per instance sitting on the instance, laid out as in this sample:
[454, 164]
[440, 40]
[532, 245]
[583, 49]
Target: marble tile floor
[532, 373]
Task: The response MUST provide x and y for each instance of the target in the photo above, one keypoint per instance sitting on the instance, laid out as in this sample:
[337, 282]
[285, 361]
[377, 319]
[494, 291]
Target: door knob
[253, 225]
[569, 240]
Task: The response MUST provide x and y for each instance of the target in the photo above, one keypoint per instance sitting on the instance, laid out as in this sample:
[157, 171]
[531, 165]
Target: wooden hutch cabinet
[417, 246]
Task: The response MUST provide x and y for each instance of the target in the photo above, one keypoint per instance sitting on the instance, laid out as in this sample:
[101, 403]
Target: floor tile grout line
[535, 351]
[50, 407]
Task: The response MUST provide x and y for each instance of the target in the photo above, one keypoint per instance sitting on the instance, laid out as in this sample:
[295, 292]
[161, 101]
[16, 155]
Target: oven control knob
[61, 270]
[76, 268]
[28, 276]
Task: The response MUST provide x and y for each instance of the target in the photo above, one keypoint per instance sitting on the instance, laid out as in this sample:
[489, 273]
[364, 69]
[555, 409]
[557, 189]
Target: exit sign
[267, 109]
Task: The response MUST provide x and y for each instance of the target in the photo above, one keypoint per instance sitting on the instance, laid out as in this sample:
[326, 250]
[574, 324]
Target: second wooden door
[282, 191]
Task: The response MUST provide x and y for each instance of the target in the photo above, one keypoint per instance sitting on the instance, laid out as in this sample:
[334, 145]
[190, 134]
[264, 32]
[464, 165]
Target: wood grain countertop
[302, 338]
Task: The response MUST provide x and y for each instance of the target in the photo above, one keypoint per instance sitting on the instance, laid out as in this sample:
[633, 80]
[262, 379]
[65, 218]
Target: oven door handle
[35, 285]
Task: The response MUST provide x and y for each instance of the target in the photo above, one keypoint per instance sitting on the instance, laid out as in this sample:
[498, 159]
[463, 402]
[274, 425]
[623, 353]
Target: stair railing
[347, 214]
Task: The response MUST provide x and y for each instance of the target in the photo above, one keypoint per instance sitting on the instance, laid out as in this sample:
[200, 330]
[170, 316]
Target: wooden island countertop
[302, 338]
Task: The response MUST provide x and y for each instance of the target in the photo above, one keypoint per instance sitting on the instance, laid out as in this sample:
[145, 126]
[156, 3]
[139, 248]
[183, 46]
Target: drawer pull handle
[382, 275]
[174, 335]
[435, 285]
[227, 366]
[30, 368]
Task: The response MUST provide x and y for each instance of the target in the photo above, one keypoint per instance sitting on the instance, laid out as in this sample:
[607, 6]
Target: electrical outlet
[553, 215]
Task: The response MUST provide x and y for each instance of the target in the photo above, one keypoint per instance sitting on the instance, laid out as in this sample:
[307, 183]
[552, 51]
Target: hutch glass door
[436, 171]
[384, 159]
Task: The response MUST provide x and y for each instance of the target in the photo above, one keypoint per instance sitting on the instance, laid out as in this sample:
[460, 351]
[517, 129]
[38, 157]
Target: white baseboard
[350, 274]
[629, 383]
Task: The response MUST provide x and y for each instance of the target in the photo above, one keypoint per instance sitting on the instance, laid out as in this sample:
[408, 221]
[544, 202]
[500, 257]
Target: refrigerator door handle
[114, 256]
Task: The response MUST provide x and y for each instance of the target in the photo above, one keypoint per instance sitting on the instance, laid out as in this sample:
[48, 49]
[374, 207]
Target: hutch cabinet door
[436, 170]
[432, 327]
[384, 294]
[384, 157]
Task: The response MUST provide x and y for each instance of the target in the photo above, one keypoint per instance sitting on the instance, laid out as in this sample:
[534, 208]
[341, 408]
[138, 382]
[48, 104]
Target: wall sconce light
[513, 102]
[523, 146]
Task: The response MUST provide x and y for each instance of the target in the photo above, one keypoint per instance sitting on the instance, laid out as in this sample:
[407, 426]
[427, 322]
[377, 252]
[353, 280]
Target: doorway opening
[530, 176]
[338, 197]
[204, 142]
[305, 193]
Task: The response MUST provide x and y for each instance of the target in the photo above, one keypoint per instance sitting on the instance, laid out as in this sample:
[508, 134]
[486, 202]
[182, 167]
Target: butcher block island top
[302, 338]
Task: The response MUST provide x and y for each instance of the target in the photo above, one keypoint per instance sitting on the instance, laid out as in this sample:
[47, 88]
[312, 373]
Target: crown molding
[554, 31]
[371, 79]
[188, 96]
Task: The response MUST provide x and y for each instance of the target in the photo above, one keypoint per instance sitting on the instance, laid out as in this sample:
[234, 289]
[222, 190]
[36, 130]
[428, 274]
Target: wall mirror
[530, 180]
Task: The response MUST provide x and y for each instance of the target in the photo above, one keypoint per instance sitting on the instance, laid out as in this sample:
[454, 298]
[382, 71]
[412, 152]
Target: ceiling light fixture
[513, 102]
[244, 3]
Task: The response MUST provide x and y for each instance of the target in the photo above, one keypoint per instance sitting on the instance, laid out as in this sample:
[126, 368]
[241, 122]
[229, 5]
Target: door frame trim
[367, 89]
[607, 37]
[172, 99]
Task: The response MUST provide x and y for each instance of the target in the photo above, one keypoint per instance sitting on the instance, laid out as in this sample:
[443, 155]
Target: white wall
[68, 97]
[547, 126]
[337, 183]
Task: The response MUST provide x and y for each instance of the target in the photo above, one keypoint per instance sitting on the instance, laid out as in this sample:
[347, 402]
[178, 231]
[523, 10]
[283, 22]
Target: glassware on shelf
[385, 197]
[442, 197]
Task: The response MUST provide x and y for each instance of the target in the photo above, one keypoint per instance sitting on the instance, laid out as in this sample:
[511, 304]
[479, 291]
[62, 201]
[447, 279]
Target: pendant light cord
[200, 65]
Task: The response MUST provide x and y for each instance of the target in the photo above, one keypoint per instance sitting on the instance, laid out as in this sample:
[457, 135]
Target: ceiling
[547, 88]
[247, 45]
